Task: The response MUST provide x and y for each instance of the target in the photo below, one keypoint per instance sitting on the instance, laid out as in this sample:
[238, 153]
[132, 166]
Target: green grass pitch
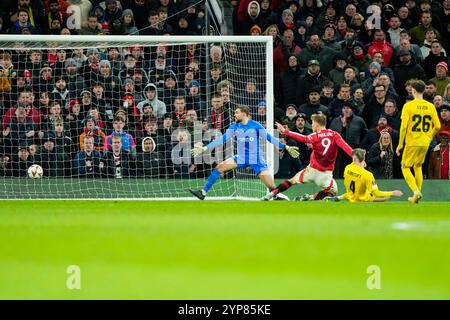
[224, 250]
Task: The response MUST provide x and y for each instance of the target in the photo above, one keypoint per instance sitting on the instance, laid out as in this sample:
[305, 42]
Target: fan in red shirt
[325, 143]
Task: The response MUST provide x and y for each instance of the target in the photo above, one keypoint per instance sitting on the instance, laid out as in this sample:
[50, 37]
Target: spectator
[352, 128]
[87, 161]
[149, 161]
[288, 82]
[378, 57]
[312, 78]
[379, 44]
[21, 161]
[7, 72]
[52, 161]
[343, 97]
[251, 18]
[329, 37]
[381, 160]
[54, 115]
[20, 129]
[316, 50]
[63, 145]
[394, 30]
[127, 140]
[337, 73]
[358, 99]
[418, 32]
[22, 23]
[430, 91]
[180, 153]
[170, 89]
[283, 50]
[445, 117]
[92, 27]
[392, 114]
[303, 148]
[441, 78]
[407, 69]
[45, 80]
[251, 95]
[327, 93]
[194, 99]
[91, 130]
[128, 23]
[313, 105]
[373, 135]
[116, 162]
[151, 130]
[405, 44]
[375, 106]
[219, 118]
[179, 110]
[439, 162]
[167, 128]
[433, 59]
[359, 59]
[112, 12]
[27, 98]
[430, 36]
[290, 116]
[60, 91]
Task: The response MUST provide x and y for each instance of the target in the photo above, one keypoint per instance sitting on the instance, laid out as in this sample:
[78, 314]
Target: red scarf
[217, 120]
[359, 57]
[388, 129]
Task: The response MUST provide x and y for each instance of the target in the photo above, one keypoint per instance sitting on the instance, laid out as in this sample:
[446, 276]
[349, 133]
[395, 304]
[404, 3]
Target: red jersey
[325, 145]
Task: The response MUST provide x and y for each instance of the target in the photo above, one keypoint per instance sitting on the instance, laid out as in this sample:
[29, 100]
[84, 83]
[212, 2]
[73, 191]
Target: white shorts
[323, 179]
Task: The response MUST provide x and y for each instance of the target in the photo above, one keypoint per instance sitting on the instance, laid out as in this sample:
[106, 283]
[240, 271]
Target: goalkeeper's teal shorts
[257, 167]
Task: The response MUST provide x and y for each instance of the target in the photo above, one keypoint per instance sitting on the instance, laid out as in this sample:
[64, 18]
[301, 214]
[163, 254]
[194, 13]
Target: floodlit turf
[223, 250]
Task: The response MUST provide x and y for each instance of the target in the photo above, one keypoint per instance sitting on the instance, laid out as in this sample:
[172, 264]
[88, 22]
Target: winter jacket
[435, 163]
[159, 107]
[305, 83]
[324, 54]
[353, 133]
[79, 164]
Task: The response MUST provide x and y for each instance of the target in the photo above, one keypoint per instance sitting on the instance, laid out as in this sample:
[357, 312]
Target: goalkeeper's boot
[281, 197]
[198, 193]
[268, 197]
[416, 197]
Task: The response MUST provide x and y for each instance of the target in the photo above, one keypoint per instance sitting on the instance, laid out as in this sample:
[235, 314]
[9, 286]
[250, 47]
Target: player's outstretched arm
[293, 151]
[217, 142]
[343, 145]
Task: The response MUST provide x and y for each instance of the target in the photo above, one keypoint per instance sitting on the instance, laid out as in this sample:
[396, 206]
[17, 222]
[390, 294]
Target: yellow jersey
[420, 122]
[360, 185]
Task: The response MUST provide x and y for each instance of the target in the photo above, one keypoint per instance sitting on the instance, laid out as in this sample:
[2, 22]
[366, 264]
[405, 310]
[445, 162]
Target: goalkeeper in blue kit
[249, 151]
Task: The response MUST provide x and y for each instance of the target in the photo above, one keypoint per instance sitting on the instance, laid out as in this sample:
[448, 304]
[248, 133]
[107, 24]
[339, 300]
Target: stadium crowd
[88, 112]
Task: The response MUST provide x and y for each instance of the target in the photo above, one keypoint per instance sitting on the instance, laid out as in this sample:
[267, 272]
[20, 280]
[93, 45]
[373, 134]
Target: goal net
[116, 117]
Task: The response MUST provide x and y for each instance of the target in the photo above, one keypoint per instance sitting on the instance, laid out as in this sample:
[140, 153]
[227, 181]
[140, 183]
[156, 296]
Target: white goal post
[151, 97]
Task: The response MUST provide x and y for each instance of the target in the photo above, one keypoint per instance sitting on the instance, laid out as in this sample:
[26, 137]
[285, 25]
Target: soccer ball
[35, 171]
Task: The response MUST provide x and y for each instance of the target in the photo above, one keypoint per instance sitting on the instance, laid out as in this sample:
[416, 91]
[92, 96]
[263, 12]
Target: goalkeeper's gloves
[198, 150]
[293, 151]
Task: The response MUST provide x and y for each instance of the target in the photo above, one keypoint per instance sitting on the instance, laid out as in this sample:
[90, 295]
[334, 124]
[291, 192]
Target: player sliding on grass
[420, 123]
[249, 153]
[325, 143]
[360, 184]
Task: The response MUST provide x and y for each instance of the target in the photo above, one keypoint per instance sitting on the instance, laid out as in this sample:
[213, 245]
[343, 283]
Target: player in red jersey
[325, 143]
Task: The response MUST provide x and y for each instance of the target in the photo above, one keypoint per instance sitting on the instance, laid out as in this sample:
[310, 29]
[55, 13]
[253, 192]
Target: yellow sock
[419, 176]
[410, 180]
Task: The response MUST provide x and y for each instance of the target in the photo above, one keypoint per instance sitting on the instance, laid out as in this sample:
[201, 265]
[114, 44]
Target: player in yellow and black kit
[360, 184]
[420, 122]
